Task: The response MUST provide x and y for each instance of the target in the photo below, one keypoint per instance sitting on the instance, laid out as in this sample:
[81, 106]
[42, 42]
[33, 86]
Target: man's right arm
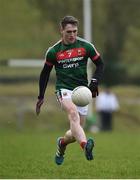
[44, 77]
[43, 81]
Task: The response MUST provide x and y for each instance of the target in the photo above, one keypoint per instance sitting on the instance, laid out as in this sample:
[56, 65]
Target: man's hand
[38, 105]
[93, 86]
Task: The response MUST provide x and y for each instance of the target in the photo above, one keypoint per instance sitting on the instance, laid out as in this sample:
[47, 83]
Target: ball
[81, 96]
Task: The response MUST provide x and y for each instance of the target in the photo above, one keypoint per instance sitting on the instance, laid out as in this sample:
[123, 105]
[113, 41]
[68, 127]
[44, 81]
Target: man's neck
[66, 43]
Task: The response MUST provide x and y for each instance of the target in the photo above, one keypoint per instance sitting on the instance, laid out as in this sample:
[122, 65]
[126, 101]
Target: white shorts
[66, 94]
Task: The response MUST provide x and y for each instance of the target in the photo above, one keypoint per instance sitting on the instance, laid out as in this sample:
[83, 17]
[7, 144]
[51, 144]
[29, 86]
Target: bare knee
[73, 113]
[74, 116]
[69, 137]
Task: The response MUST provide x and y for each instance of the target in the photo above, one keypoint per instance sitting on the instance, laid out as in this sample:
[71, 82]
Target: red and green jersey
[70, 62]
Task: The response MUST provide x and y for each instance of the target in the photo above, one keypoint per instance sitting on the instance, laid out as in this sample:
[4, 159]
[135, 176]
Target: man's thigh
[64, 97]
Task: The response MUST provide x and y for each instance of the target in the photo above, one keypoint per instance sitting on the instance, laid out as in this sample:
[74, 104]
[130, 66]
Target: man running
[69, 56]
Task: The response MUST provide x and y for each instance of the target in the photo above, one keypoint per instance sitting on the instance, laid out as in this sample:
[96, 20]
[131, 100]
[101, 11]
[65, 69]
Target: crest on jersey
[79, 52]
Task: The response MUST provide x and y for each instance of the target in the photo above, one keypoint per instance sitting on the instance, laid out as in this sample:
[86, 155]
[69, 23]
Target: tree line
[115, 32]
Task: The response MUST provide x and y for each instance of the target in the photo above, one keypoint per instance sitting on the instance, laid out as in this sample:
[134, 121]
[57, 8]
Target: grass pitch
[31, 155]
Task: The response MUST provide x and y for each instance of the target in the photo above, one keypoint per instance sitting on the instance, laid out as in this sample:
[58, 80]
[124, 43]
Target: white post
[87, 36]
[87, 19]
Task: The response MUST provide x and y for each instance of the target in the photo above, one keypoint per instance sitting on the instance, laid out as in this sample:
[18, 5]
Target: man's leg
[74, 119]
[76, 133]
[77, 122]
[68, 137]
[88, 148]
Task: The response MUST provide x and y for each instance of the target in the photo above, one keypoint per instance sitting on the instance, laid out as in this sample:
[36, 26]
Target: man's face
[69, 33]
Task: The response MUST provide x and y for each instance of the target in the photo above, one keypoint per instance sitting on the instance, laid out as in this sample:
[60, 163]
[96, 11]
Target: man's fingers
[38, 106]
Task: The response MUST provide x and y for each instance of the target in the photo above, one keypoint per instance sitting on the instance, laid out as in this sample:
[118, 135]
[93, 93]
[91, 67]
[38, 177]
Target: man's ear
[61, 30]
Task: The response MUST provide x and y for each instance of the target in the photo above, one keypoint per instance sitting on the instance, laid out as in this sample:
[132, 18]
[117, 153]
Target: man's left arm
[93, 86]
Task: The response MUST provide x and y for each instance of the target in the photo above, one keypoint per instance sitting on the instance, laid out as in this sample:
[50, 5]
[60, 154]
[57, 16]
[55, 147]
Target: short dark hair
[68, 20]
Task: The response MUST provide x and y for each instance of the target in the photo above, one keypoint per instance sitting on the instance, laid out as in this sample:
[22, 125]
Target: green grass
[31, 155]
[29, 152]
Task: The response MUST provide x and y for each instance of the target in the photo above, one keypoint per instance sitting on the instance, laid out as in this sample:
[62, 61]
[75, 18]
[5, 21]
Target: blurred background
[29, 27]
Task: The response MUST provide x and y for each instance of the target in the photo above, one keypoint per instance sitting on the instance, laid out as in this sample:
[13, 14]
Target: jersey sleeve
[93, 53]
[50, 57]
